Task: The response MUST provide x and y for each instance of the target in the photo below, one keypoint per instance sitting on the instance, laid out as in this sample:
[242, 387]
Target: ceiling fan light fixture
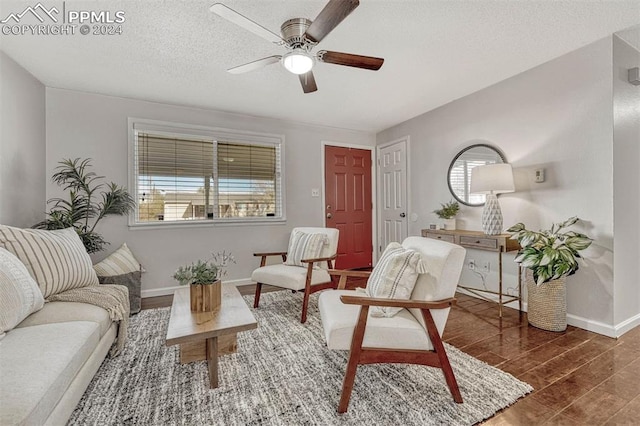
[298, 61]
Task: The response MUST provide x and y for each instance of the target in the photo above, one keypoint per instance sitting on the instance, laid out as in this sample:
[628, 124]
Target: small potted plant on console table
[448, 212]
[550, 256]
[203, 277]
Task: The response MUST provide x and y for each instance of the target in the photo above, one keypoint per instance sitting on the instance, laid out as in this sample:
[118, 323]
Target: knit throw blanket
[112, 298]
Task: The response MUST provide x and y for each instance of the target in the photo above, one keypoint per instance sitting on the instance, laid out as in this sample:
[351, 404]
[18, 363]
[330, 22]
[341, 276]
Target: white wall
[95, 126]
[626, 178]
[22, 145]
[556, 116]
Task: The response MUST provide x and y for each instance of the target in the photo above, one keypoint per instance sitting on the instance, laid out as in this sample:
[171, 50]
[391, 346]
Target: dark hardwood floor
[579, 377]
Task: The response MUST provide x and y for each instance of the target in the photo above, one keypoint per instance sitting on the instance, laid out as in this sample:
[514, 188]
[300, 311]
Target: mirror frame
[453, 162]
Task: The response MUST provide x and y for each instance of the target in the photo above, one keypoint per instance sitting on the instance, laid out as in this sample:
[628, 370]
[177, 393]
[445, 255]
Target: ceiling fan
[299, 36]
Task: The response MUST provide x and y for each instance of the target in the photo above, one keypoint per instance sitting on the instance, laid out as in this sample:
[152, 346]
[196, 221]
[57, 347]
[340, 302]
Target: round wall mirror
[459, 175]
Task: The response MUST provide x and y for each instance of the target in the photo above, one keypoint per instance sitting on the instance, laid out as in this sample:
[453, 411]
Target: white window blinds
[185, 178]
[247, 180]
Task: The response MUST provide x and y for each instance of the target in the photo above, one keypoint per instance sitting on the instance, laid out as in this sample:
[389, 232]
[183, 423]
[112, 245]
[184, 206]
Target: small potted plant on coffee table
[203, 278]
[549, 256]
[448, 212]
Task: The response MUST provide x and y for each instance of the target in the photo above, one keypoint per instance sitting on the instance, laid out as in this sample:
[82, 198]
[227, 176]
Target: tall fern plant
[89, 201]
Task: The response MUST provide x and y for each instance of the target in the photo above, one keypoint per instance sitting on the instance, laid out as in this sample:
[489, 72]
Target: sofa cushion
[56, 312]
[292, 277]
[37, 364]
[122, 268]
[56, 259]
[402, 331]
[19, 293]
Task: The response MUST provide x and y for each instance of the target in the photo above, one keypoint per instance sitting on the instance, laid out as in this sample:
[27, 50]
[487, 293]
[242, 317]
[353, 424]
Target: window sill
[206, 224]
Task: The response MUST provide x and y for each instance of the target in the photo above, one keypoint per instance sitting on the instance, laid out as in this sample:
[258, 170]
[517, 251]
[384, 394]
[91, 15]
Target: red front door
[348, 203]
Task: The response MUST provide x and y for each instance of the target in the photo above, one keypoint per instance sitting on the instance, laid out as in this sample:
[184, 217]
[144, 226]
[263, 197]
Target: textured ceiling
[435, 51]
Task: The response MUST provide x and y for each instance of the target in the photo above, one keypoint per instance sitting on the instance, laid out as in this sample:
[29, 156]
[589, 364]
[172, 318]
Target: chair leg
[354, 358]
[256, 298]
[449, 376]
[307, 292]
[442, 356]
[305, 305]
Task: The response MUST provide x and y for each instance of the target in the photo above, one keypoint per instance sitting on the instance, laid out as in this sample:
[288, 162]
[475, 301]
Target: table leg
[500, 282]
[520, 290]
[212, 360]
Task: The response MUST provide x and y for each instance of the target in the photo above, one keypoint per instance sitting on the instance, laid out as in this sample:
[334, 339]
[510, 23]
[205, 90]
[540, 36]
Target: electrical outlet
[486, 267]
[472, 264]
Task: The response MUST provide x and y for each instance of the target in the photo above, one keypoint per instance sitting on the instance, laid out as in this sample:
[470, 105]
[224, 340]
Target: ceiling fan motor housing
[293, 31]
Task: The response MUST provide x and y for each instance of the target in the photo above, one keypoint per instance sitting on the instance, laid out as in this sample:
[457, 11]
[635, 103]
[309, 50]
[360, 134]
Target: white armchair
[413, 335]
[312, 277]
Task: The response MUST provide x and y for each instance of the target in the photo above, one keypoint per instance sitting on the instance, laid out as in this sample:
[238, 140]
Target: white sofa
[49, 359]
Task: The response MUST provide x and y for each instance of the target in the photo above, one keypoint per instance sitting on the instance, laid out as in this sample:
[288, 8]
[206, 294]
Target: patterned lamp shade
[492, 179]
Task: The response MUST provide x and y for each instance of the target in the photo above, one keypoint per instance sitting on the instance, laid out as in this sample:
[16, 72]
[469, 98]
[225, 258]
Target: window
[184, 174]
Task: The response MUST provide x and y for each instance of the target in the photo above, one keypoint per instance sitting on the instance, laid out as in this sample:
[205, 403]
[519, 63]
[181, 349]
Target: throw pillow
[394, 277]
[121, 267]
[19, 293]
[304, 246]
[56, 259]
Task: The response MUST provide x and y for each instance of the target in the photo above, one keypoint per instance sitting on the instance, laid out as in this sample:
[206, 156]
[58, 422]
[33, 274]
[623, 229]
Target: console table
[480, 241]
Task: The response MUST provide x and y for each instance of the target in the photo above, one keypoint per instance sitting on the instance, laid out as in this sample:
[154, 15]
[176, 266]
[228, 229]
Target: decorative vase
[450, 224]
[547, 303]
[492, 216]
[205, 297]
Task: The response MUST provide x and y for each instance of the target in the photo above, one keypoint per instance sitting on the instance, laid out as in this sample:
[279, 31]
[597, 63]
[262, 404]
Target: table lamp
[492, 179]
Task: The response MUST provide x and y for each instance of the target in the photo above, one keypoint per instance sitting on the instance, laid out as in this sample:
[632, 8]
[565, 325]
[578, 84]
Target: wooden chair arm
[274, 253]
[319, 259]
[344, 274]
[263, 261]
[398, 303]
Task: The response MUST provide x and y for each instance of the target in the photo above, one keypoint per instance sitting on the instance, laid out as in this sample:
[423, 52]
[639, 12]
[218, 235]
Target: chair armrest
[398, 303]
[319, 259]
[344, 274]
[263, 260]
[274, 253]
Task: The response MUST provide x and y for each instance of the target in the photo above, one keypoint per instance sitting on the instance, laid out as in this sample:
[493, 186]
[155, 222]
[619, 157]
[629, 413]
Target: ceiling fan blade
[329, 18]
[252, 66]
[308, 82]
[350, 60]
[244, 22]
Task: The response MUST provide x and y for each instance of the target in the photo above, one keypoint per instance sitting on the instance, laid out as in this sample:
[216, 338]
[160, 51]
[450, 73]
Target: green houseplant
[448, 212]
[88, 203]
[549, 256]
[203, 277]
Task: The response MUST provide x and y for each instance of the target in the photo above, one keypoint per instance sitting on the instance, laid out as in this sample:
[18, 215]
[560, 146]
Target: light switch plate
[315, 192]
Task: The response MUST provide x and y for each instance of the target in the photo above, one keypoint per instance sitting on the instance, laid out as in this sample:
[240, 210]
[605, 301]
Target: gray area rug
[282, 374]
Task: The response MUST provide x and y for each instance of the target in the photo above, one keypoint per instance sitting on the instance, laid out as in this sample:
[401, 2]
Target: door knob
[402, 215]
[329, 215]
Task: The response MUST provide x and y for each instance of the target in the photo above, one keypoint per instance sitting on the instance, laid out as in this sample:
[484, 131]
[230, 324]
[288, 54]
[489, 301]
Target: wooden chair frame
[308, 288]
[363, 355]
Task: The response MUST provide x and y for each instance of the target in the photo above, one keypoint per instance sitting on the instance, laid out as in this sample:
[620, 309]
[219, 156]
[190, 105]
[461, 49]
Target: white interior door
[392, 196]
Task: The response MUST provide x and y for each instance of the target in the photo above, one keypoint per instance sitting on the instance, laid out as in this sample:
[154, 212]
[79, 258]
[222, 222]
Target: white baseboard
[164, 291]
[577, 321]
[591, 325]
[627, 325]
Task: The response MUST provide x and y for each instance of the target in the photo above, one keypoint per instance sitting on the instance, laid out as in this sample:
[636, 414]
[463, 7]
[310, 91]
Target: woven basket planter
[205, 297]
[547, 303]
